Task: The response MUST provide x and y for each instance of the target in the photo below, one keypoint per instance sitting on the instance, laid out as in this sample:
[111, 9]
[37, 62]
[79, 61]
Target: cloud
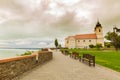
[37, 21]
[50, 19]
[42, 43]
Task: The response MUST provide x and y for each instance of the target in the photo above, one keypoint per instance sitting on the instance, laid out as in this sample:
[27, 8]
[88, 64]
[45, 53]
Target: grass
[107, 58]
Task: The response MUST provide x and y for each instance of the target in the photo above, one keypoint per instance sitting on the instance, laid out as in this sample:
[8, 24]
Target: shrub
[27, 53]
[108, 44]
[91, 46]
[98, 46]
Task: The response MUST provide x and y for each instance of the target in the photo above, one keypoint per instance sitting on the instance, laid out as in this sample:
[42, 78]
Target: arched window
[89, 40]
[83, 40]
[67, 41]
[99, 30]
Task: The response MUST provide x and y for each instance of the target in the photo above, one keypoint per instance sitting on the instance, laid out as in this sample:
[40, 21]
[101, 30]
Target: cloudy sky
[37, 23]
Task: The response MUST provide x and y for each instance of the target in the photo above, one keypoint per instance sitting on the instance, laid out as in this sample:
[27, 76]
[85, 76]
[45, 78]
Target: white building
[84, 40]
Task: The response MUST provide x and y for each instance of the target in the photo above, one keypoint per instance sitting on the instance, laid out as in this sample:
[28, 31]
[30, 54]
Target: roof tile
[85, 36]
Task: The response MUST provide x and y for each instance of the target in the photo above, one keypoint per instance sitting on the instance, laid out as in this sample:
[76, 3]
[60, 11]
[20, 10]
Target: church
[84, 40]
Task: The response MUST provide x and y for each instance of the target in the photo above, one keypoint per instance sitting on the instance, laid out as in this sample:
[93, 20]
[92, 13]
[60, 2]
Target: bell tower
[98, 28]
[99, 33]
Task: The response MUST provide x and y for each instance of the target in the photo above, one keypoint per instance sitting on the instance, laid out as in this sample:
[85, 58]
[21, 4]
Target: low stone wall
[44, 56]
[13, 67]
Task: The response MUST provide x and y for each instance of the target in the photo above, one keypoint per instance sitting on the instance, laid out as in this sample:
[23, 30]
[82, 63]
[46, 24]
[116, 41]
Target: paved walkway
[65, 68]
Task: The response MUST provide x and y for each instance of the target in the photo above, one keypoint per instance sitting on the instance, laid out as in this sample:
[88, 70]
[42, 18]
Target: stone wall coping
[16, 58]
[44, 52]
[23, 57]
[10, 68]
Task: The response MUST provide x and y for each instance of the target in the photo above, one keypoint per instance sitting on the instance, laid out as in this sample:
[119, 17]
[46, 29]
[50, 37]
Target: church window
[99, 30]
[67, 42]
[83, 40]
[89, 40]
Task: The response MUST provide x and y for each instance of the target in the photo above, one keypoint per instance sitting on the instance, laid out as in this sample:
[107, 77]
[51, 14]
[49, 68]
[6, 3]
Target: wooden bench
[65, 52]
[89, 58]
[75, 55]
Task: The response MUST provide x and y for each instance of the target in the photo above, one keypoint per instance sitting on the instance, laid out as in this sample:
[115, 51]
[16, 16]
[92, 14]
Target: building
[84, 40]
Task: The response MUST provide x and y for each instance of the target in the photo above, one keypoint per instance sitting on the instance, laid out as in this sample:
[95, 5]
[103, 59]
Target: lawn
[107, 58]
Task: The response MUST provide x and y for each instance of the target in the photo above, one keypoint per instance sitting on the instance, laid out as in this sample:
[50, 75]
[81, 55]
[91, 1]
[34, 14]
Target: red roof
[85, 36]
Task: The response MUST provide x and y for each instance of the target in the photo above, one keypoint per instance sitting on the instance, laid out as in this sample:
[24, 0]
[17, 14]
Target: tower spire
[98, 23]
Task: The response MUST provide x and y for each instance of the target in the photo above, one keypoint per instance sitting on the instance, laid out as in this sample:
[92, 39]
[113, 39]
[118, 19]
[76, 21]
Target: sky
[36, 23]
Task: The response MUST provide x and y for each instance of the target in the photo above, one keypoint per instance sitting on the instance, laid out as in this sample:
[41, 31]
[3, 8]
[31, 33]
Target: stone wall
[44, 56]
[13, 67]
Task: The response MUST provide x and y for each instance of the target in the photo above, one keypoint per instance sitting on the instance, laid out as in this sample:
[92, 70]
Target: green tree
[56, 43]
[117, 44]
[114, 38]
[109, 36]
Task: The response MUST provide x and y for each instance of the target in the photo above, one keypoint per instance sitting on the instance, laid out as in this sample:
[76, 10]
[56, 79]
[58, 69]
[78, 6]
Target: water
[8, 53]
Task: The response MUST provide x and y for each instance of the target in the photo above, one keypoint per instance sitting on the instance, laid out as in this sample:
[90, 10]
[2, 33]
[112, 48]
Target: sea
[9, 53]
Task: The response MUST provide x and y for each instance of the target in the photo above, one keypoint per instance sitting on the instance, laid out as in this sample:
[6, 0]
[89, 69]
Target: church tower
[99, 33]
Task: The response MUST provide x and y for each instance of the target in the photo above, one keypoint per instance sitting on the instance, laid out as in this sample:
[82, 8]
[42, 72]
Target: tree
[118, 41]
[109, 36]
[114, 38]
[56, 43]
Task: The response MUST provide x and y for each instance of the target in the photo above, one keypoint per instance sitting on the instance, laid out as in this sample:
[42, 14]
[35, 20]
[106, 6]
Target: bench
[75, 55]
[89, 58]
[65, 52]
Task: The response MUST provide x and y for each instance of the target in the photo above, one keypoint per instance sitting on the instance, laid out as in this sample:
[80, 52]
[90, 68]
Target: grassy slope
[110, 59]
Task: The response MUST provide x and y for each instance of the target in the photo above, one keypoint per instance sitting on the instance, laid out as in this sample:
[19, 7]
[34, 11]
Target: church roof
[85, 36]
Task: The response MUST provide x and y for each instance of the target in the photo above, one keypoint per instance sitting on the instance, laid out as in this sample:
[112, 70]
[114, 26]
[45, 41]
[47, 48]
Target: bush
[27, 53]
[108, 44]
[98, 46]
[91, 46]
